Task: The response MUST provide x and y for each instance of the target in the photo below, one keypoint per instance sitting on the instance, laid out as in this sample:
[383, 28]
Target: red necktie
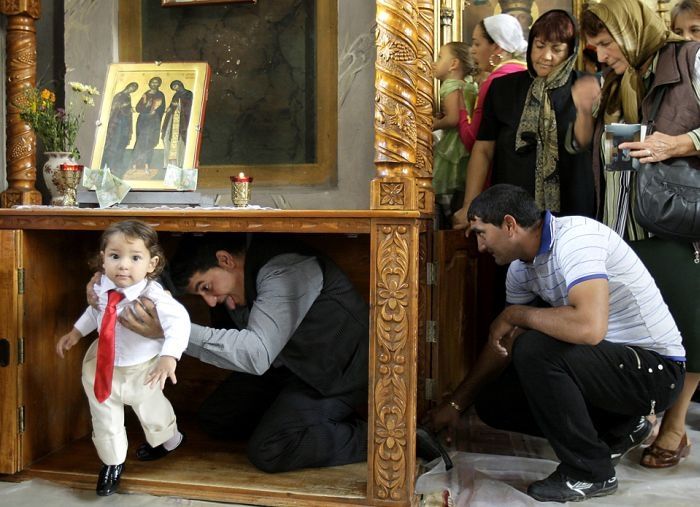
[105, 348]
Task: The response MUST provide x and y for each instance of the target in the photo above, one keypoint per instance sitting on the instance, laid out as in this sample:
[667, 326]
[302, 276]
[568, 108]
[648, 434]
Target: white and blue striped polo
[576, 249]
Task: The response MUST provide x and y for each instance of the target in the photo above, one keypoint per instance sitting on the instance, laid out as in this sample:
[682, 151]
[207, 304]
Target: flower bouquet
[58, 129]
[56, 126]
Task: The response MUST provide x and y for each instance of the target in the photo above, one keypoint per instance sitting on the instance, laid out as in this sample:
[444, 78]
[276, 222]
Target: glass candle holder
[69, 176]
[240, 190]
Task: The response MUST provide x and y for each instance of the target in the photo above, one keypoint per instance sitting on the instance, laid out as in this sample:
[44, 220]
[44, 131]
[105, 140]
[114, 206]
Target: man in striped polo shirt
[586, 347]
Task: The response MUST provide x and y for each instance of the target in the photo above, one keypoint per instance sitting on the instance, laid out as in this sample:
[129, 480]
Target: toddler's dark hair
[132, 229]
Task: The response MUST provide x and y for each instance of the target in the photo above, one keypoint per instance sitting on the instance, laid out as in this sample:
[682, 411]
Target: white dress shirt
[131, 348]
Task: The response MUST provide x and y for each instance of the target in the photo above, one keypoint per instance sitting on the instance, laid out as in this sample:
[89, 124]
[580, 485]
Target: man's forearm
[487, 368]
[229, 349]
[564, 323]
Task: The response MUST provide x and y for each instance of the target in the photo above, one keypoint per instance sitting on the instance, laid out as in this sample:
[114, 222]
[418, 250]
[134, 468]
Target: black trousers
[581, 398]
[288, 424]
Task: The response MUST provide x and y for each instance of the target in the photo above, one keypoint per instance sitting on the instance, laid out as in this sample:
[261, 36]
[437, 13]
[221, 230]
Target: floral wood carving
[391, 373]
[392, 194]
[395, 83]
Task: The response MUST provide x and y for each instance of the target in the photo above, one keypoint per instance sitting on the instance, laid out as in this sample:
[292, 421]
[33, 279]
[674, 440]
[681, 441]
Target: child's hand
[67, 341]
[165, 367]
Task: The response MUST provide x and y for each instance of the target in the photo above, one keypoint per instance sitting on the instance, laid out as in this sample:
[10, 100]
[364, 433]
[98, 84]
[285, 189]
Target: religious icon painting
[151, 121]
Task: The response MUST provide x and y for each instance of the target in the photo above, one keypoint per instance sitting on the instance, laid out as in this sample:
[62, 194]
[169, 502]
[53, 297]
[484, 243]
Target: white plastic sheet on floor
[495, 478]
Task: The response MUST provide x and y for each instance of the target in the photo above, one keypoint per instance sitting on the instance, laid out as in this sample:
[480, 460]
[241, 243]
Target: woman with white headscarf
[498, 48]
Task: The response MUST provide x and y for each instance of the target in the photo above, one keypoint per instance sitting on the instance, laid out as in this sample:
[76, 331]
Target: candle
[71, 167]
[240, 189]
[241, 178]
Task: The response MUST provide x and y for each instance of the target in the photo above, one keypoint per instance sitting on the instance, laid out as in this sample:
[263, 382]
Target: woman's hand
[459, 219]
[586, 94]
[659, 146]
[141, 317]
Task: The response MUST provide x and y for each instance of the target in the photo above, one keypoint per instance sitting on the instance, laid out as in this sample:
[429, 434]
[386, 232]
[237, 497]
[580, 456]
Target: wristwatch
[454, 405]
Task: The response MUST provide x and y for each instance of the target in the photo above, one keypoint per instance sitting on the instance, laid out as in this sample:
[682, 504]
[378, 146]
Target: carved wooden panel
[392, 400]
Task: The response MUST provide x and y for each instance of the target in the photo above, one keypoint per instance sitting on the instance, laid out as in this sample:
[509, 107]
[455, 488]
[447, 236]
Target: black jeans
[288, 424]
[581, 398]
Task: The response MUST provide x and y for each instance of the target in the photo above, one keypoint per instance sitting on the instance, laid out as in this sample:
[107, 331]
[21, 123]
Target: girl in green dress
[455, 70]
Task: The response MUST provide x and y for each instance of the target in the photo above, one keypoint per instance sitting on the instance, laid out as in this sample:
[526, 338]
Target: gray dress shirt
[286, 286]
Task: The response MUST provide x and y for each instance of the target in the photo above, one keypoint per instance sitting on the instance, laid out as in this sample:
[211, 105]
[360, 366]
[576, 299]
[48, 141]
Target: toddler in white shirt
[124, 368]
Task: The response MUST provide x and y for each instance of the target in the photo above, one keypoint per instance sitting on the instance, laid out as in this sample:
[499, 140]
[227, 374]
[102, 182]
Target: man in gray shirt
[296, 335]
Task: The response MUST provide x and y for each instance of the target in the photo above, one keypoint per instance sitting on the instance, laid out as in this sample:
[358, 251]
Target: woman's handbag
[667, 197]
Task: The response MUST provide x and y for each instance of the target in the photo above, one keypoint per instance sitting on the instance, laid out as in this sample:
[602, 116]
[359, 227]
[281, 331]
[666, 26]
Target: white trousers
[152, 408]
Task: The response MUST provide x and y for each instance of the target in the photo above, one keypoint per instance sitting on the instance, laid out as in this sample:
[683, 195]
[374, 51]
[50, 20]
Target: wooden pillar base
[12, 197]
[393, 192]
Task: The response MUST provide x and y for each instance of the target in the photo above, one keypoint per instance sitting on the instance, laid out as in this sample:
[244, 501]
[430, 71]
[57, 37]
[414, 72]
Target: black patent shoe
[108, 480]
[145, 452]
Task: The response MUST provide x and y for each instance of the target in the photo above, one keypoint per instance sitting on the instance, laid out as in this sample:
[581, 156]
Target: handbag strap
[655, 108]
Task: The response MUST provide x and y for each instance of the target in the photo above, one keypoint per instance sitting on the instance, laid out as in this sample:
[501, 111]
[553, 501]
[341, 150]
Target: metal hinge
[429, 389]
[20, 350]
[20, 281]
[431, 331]
[431, 278]
[20, 418]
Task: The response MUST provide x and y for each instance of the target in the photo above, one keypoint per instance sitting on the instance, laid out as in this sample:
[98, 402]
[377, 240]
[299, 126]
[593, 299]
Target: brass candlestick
[70, 176]
[240, 190]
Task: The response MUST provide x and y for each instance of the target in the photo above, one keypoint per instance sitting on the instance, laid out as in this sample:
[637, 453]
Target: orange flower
[48, 95]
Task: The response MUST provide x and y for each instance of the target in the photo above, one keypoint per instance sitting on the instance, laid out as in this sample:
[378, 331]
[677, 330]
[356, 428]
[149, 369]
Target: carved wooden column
[403, 145]
[391, 454]
[424, 108]
[395, 106]
[21, 74]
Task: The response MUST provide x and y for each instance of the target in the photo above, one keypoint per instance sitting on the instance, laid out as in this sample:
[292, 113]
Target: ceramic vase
[52, 175]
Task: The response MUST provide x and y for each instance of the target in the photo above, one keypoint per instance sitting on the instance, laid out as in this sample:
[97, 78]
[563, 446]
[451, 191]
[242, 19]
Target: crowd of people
[577, 351]
[599, 326]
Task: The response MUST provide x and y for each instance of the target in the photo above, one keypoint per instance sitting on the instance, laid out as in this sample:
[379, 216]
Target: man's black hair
[197, 254]
[494, 203]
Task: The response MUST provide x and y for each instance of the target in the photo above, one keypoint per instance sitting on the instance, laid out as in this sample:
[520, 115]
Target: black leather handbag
[667, 194]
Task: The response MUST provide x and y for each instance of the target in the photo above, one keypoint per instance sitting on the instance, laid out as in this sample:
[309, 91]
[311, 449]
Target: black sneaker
[560, 488]
[636, 438]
